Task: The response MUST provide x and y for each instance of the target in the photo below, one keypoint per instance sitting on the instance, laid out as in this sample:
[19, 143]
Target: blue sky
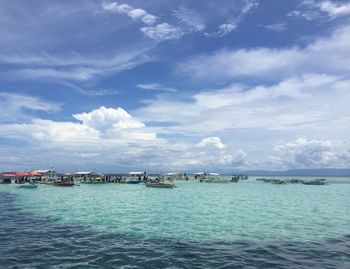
[174, 85]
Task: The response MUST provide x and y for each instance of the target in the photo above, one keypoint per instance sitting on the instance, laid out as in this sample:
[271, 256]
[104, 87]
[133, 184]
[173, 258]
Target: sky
[164, 86]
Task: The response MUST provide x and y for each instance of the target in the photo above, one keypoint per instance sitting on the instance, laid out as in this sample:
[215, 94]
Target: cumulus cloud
[327, 54]
[103, 117]
[162, 31]
[213, 141]
[307, 153]
[237, 160]
[103, 126]
[313, 106]
[115, 133]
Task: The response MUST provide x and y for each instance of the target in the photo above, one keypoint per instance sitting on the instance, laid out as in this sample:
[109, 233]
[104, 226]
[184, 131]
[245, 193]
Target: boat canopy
[44, 171]
[84, 173]
[23, 174]
[214, 174]
[8, 175]
[199, 173]
[136, 173]
[171, 174]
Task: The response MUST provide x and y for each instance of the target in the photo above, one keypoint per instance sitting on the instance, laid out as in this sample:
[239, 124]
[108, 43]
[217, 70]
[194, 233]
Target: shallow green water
[247, 210]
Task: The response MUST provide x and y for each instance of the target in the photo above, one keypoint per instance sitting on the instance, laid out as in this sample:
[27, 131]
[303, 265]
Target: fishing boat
[27, 186]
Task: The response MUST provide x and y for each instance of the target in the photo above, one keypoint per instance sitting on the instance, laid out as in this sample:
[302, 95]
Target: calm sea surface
[249, 224]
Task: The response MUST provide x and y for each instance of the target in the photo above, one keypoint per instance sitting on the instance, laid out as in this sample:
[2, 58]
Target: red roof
[35, 174]
[8, 175]
[23, 174]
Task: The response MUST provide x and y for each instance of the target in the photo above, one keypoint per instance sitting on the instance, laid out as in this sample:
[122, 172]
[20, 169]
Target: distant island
[301, 172]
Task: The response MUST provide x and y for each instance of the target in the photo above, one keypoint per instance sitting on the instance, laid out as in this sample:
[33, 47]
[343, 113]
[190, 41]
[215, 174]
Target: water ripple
[28, 240]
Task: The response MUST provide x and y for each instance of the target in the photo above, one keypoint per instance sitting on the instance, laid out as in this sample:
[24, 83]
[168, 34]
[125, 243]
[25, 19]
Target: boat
[175, 176]
[200, 175]
[318, 181]
[27, 186]
[133, 181]
[278, 181]
[160, 182]
[134, 177]
[215, 178]
[63, 183]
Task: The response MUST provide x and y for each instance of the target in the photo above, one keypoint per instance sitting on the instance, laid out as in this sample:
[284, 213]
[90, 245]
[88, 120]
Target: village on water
[33, 179]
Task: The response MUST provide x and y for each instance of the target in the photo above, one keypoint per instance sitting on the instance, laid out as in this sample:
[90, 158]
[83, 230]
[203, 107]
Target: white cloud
[211, 142]
[237, 160]
[192, 19]
[103, 118]
[276, 27]
[335, 9]
[155, 87]
[13, 106]
[300, 106]
[113, 133]
[89, 92]
[324, 55]
[321, 10]
[134, 13]
[304, 153]
[224, 29]
[162, 31]
[72, 67]
[102, 126]
[234, 21]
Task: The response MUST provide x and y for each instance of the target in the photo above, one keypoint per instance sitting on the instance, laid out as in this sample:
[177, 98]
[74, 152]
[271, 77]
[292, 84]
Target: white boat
[175, 176]
[215, 178]
[200, 175]
[161, 184]
[134, 177]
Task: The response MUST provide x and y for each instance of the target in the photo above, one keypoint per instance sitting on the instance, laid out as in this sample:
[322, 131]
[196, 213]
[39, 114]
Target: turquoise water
[247, 210]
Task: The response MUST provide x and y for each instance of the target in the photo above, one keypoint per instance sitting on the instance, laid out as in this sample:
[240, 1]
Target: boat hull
[160, 185]
[28, 186]
[68, 184]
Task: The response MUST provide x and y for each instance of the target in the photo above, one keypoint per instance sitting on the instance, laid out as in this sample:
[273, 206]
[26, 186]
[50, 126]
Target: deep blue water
[28, 240]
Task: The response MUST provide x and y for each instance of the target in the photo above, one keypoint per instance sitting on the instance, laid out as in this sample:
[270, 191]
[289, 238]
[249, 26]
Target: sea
[248, 224]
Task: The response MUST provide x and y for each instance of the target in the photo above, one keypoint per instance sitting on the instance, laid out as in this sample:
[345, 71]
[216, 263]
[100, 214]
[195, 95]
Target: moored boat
[63, 184]
[160, 183]
[27, 186]
[215, 178]
[318, 181]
